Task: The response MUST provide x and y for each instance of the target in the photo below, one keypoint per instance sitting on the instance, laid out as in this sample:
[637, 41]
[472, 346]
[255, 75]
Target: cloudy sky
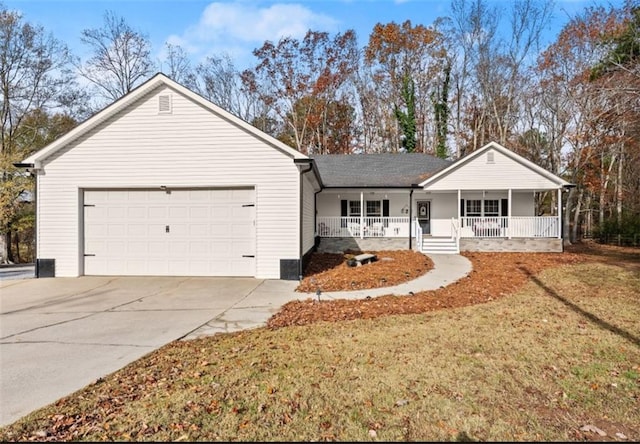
[237, 27]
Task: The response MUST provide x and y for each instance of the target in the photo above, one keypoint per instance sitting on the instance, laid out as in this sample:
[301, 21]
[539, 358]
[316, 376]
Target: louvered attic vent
[490, 158]
[164, 104]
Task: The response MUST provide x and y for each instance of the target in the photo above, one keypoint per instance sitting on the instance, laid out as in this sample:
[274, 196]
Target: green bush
[625, 233]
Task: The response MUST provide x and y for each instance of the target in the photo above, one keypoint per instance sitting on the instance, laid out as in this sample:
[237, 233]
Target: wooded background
[445, 88]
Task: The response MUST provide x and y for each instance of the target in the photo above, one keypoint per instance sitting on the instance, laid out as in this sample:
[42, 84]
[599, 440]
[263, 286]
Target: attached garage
[164, 183]
[192, 232]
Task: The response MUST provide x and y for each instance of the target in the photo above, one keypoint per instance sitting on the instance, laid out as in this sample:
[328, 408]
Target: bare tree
[121, 57]
[33, 77]
[490, 72]
[177, 64]
[218, 80]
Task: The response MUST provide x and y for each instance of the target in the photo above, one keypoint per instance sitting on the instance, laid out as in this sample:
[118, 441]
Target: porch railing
[370, 227]
[468, 227]
[518, 226]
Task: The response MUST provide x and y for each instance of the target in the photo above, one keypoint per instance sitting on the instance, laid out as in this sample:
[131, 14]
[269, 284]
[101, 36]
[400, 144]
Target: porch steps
[439, 245]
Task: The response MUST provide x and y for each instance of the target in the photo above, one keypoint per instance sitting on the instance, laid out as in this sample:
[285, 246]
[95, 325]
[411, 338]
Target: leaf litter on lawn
[530, 367]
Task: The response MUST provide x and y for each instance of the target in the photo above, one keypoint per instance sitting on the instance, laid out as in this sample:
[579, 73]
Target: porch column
[459, 199]
[559, 213]
[361, 215]
[509, 205]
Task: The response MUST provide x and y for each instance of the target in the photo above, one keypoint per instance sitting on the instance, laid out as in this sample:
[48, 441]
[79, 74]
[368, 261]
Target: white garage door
[169, 233]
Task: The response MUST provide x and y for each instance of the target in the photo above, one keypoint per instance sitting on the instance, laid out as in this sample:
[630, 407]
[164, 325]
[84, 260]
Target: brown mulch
[494, 275]
[330, 271]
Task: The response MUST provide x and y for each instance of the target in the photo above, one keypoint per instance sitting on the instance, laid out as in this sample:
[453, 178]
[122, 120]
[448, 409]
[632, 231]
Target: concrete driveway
[58, 335]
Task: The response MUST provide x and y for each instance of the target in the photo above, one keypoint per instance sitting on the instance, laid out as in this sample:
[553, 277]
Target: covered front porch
[434, 221]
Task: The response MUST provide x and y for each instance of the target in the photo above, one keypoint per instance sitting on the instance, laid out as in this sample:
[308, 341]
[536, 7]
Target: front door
[424, 215]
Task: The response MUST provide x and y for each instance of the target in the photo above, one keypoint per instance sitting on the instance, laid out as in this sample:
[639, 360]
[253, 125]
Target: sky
[236, 28]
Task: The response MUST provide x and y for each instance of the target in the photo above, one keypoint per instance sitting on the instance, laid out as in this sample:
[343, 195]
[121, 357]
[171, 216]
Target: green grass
[562, 353]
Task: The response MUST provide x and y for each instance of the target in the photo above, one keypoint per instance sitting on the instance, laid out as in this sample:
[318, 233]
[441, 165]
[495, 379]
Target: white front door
[199, 232]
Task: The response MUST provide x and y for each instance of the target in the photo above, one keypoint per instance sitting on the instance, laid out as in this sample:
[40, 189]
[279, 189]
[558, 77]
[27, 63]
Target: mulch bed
[331, 272]
[494, 275]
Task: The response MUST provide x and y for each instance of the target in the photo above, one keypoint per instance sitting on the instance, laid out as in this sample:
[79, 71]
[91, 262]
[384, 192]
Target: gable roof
[395, 170]
[508, 153]
[157, 80]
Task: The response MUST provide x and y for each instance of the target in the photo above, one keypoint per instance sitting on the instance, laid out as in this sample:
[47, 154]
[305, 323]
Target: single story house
[164, 182]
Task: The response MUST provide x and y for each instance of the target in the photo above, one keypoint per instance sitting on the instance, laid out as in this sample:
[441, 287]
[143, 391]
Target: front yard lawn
[527, 348]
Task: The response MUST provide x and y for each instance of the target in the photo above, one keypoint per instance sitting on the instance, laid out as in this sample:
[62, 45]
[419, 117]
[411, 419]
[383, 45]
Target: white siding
[523, 204]
[308, 214]
[190, 147]
[503, 173]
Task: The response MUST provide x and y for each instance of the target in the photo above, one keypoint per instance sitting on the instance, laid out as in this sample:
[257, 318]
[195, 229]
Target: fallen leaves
[494, 275]
[330, 272]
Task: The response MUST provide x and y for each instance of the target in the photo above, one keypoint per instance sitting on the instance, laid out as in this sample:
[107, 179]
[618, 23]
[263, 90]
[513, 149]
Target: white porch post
[459, 215]
[361, 215]
[509, 215]
[559, 213]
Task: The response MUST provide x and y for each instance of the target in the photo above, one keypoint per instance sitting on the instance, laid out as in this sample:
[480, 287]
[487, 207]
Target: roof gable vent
[164, 104]
[490, 157]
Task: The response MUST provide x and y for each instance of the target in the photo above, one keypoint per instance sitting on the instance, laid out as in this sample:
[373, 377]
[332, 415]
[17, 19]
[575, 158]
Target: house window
[374, 208]
[474, 208]
[354, 208]
[492, 208]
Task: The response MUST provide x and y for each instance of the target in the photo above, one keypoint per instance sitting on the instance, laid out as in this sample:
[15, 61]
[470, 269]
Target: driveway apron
[58, 335]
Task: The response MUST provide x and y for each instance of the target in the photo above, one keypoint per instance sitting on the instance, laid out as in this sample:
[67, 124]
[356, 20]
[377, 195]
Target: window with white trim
[492, 208]
[374, 208]
[474, 208]
[354, 208]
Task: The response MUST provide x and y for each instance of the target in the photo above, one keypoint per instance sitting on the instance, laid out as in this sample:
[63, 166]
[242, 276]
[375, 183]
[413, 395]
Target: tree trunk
[576, 216]
[567, 218]
[4, 248]
[619, 195]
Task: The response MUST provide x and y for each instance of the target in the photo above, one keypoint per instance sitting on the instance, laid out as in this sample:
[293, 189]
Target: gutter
[311, 165]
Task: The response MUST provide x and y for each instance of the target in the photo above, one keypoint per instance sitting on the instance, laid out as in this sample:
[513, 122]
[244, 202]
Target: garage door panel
[137, 230]
[158, 248]
[136, 213]
[199, 249]
[199, 213]
[157, 213]
[209, 232]
[199, 230]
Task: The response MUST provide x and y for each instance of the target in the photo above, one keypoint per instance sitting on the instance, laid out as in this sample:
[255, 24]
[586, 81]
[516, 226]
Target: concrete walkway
[447, 268]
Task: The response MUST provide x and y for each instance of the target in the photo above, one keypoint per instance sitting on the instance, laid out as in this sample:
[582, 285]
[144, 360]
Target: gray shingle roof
[377, 170]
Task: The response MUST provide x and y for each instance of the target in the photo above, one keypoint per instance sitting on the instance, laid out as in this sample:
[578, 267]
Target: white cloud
[238, 28]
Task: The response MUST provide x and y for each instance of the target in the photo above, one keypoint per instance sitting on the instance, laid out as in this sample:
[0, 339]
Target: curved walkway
[447, 268]
[255, 309]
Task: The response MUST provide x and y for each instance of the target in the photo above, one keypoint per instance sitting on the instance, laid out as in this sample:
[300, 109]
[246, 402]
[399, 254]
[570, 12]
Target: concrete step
[439, 245]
